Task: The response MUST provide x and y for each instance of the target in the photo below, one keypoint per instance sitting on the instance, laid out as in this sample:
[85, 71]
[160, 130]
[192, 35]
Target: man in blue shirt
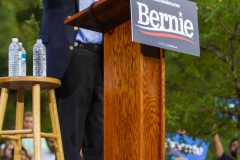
[75, 56]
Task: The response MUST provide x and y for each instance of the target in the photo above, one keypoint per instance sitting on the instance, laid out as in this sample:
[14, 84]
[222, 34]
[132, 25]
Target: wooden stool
[35, 84]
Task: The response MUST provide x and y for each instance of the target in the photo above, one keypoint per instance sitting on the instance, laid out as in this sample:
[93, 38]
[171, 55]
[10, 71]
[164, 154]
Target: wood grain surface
[26, 82]
[108, 12]
[134, 92]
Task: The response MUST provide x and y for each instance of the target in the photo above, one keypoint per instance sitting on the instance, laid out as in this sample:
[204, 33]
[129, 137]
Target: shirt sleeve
[225, 157]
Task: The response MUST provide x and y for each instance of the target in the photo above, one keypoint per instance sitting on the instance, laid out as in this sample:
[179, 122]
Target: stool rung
[49, 135]
[45, 135]
[23, 131]
[15, 138]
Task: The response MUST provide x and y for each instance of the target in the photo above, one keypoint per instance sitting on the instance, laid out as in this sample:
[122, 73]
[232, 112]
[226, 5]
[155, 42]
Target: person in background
[49, 153]
[28, 120]
[28, 142]
[75, 56]
[24, 154]
[7, 151]
[219, 150]
[28, 124]
[4, 144]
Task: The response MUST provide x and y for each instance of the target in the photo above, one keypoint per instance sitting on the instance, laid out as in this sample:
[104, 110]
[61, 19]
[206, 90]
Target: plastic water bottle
[39, 59]
[14, 61]
[23, 60]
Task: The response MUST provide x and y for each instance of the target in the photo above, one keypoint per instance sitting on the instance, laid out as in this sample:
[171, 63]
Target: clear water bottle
[39, 59]
[23, 60]
[14, 61]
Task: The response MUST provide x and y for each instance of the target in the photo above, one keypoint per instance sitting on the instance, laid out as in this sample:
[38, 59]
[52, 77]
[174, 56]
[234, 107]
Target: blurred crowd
[47, 144]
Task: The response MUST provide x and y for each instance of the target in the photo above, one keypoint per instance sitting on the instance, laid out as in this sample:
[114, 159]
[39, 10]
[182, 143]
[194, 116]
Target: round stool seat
[27, 82]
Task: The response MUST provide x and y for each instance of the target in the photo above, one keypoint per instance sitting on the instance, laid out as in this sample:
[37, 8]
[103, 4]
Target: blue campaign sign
[168, 24]
[185, 147]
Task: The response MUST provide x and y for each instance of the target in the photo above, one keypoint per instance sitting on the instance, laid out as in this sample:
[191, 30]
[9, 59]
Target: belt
[91, 47]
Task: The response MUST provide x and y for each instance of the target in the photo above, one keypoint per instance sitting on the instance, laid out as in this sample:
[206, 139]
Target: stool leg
[36, 122]
[55, 124]
[19, 123]
[3, 104]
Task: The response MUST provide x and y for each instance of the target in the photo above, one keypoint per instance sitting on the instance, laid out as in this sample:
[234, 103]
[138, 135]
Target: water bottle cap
[39, 40]
[15, 39]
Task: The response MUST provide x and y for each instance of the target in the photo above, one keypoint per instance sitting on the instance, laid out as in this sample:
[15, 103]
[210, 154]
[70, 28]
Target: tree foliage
[199, 89]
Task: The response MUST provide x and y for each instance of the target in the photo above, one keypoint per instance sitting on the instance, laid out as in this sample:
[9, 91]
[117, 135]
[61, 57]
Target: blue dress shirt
[84, 35]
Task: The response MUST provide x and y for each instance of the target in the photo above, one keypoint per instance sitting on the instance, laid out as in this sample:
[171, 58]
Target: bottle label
[23, 57]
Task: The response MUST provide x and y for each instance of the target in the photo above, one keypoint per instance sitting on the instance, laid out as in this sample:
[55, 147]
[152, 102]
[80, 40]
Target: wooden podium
[134, 85]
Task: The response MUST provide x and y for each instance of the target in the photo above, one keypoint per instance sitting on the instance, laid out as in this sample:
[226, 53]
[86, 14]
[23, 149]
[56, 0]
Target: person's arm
[218, 146]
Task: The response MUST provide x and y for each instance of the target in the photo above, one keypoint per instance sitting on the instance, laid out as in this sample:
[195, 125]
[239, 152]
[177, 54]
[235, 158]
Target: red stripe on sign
[167, 35]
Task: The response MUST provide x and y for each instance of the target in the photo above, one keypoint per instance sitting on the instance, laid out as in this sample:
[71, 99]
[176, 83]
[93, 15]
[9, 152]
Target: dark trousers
[80, 106]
